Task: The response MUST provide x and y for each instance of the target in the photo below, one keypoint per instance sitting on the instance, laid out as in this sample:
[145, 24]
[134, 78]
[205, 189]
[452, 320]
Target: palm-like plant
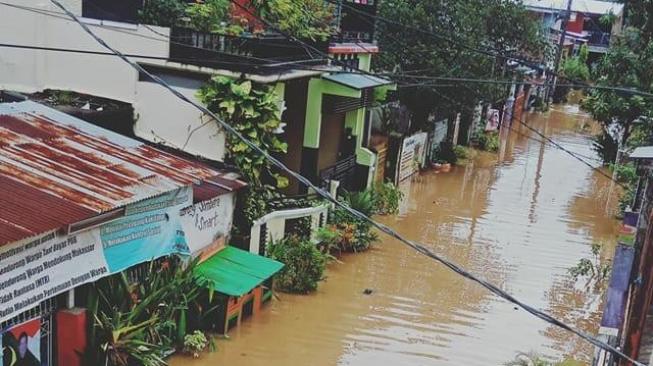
[140, 322]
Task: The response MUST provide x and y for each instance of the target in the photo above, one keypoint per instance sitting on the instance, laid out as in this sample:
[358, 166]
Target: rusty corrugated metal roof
[56, 170]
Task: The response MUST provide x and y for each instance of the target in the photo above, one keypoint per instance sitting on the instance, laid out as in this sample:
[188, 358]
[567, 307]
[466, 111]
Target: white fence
[275, 225]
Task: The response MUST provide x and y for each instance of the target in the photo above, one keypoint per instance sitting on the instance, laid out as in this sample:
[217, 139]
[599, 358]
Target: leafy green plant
[61, 97]
[625, 173]
[387, 197]
[139, 322]
[489, 141]
[195, 343]
[445, 153]
[253, 110]
[460, 152]
[575, 68]
[304, 19]
[210, 15]
[165, 13]
[304, 264]
[350, 233]
[592, 268]
[605, 146]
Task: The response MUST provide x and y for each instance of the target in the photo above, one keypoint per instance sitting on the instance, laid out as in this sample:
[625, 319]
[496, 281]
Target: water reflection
[520, 222]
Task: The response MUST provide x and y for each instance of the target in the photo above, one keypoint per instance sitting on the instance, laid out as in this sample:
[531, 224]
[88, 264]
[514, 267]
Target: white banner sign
[207, 223]
[39, 268]
[413, 155]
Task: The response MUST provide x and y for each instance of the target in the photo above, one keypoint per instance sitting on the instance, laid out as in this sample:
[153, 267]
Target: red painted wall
[71, 336]
[576, 25]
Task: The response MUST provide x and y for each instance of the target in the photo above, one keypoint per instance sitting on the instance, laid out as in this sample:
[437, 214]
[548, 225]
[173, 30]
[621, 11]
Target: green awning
[357, 81]
[236, 272]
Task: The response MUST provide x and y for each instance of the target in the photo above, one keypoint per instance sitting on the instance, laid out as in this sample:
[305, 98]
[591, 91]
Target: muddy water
[520, 221]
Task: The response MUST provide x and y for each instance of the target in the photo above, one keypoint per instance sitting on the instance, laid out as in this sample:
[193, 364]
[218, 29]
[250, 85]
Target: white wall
[34, 70]
[163, 118]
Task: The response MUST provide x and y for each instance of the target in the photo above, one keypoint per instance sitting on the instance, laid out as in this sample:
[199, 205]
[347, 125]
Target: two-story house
[591, 22]
[325, 106]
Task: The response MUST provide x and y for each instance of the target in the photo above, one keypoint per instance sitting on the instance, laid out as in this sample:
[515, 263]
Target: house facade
[80, 203]
[591, 22]
[312, 86]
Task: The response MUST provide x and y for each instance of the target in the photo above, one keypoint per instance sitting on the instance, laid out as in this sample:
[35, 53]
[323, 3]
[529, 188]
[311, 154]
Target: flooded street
[520, 221]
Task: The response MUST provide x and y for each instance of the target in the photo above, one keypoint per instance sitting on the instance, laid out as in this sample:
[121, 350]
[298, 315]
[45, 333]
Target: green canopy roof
[236, 272]
[357, 81]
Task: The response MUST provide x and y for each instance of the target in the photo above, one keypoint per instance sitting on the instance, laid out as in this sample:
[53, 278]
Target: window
[125, 11]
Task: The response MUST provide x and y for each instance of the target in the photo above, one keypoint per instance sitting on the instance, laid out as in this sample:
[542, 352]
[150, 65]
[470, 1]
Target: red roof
[56, 170]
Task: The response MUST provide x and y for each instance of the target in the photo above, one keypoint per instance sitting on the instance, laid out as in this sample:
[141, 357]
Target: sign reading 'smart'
[39, 268]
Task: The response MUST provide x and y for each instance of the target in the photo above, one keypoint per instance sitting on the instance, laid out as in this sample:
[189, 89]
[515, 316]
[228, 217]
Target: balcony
[357, 23]
[263, 54]
[598, 38]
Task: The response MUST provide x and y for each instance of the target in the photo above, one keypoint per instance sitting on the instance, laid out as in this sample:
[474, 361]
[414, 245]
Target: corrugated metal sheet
[56, 170]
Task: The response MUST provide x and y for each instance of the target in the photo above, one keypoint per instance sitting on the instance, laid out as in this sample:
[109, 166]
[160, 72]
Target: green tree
[628, 65]
[502, 26]
[575, 68]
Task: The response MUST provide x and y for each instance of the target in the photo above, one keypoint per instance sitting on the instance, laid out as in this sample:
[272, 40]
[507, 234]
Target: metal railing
[343, 171]
[272, 52]
[598, 38]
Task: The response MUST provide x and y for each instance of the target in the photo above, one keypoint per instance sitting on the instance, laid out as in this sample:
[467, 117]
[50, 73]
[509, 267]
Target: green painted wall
[365, 61]
[316, 89]
[356, 121]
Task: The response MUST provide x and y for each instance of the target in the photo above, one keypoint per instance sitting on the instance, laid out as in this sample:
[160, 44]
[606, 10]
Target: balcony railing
[597, 38]
[357, 24]
[268, 53]
[343, 171]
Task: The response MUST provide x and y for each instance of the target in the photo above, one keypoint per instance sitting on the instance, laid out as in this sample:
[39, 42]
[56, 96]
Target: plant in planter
[139, 323]
[195, 343]
[387, 198]
[347, 232]
[212, 16]
[304, 264]
[304, 19]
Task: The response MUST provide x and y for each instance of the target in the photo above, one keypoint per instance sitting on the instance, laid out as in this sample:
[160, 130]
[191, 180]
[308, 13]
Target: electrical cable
[416, 246]
[256, 66]
[522, 61]
[271, 63]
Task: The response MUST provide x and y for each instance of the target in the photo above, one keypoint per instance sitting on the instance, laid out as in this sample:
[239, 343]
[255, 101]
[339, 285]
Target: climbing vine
[253, 110]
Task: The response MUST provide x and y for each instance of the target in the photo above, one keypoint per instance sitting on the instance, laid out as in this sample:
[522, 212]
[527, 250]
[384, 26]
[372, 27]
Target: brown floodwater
[520, 220]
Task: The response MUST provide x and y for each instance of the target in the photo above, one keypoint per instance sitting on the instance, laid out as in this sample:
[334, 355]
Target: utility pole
[561, 45]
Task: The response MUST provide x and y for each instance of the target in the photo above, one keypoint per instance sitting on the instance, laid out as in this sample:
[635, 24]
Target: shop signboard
[206, 224]
[150, 229]
[42, 267]
[413, 155]
[35, 269]
[493, 119]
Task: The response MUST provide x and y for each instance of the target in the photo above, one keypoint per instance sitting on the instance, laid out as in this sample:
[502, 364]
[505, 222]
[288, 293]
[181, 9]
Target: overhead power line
[493, 52]
[387, 230]
[267, 63]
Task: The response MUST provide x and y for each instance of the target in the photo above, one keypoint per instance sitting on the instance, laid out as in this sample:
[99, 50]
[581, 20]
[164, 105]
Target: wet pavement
[520, 220]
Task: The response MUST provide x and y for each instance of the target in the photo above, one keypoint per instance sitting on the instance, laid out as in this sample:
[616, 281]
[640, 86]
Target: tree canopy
[443, 38]
[628, 64]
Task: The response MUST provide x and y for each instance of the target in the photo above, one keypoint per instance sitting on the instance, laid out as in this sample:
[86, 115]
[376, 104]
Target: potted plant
[441, 166]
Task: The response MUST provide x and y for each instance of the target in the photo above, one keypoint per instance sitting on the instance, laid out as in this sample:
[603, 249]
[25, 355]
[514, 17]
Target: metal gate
[46, 312]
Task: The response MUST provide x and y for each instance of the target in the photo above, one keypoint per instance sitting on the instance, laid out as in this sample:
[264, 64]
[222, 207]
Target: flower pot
[441, 167]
